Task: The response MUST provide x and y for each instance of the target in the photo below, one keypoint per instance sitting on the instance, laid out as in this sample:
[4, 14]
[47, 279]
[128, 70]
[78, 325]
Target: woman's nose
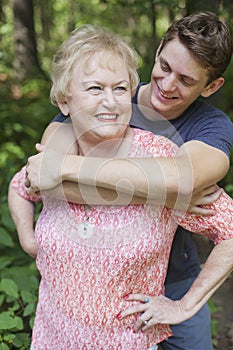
[108, 97]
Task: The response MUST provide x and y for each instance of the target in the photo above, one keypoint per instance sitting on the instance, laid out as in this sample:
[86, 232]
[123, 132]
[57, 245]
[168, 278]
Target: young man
[189, 64]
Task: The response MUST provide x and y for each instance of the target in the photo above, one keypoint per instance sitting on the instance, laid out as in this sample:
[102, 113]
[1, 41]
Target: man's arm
[162, 180]
[89, 195]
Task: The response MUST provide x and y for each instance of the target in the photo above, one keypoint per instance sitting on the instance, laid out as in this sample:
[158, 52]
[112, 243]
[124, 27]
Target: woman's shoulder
[155, 145]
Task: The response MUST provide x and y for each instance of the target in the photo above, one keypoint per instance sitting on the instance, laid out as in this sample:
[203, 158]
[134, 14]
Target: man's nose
[169, 82]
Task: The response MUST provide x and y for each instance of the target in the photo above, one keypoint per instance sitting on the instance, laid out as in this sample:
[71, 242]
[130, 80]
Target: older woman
[103, 267]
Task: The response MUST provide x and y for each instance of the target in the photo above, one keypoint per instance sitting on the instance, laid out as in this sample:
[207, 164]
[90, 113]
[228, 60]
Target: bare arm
[216, 270]
[160, 309]
[90, 195]
[22, 212]
[163, 180]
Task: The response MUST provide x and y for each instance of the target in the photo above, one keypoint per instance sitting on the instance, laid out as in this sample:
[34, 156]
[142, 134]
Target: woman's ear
[63, 107]
[213, 87]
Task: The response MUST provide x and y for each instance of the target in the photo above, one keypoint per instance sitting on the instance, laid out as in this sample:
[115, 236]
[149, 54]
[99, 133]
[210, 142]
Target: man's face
[177, 80]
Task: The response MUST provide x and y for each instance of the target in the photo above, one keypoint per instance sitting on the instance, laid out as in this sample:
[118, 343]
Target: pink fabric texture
[85, 276]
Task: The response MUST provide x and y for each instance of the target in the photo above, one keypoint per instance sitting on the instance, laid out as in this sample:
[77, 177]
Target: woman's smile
[107, 117]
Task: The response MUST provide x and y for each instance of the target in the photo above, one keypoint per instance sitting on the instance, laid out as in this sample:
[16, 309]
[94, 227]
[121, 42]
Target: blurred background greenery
[30, 33]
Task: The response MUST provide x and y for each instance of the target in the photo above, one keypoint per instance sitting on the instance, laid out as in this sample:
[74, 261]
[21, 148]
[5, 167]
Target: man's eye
[165, 68]
[186, 82]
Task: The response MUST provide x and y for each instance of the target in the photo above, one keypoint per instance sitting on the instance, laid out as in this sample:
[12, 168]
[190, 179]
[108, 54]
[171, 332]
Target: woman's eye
[120, 89]
[95, 89]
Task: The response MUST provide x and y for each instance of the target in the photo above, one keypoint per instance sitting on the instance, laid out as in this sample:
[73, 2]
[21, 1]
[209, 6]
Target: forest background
[30, 33]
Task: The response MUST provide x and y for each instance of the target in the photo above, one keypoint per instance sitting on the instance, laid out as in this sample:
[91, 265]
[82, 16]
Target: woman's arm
[160, 309]
[22, 212]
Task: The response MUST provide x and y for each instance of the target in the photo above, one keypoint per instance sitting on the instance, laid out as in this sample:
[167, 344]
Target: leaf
[22, 339]
[5, 261]
[29, 310]
[9, 337]
[31, 322]
[23, 276]
[7, 321]
[2, 297]
[3, 346]
[28, 297]
[19, 323]
[6, 217]
[9, 287]
[5, 238]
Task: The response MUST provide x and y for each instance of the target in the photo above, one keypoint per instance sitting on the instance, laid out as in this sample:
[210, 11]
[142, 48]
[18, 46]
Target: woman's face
[100, 102]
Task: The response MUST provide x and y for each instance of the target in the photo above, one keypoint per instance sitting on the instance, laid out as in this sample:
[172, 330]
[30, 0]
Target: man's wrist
[70, 168]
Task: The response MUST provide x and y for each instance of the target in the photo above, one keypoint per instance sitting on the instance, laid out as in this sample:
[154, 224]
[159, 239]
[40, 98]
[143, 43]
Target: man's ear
[213, 87]
[63, 107]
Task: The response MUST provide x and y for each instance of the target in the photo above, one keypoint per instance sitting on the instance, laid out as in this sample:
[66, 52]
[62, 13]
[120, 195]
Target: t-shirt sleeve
[218, 227]
[60, 118]
[212, 127]
[18, 185]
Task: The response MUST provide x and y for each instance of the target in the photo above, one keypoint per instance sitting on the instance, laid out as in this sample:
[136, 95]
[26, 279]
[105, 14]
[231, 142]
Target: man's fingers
[39, 147]
[202, 211]
[27, 182]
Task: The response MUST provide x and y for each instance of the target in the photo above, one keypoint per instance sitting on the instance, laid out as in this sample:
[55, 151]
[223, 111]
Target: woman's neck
[118, 147]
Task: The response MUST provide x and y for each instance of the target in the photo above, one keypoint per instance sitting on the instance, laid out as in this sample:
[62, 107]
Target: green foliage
[18, 288]
[214, 322]
[23, 119]
[25, 111]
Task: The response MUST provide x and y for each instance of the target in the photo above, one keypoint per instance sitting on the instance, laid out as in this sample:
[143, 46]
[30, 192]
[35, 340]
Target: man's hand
[201, 202]
[44, 170]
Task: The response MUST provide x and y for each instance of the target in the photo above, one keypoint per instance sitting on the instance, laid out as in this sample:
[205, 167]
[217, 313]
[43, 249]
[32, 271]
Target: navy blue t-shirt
[201, 122]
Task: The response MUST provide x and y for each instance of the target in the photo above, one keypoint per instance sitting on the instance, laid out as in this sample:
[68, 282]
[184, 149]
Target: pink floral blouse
[84, 275]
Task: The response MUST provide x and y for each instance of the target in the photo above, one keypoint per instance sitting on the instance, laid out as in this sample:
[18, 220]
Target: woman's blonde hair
[83, 43]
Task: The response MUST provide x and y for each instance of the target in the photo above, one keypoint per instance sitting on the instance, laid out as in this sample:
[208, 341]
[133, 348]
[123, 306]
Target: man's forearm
[217, 268]
[85, 194]
[169, 181]
[139, 177]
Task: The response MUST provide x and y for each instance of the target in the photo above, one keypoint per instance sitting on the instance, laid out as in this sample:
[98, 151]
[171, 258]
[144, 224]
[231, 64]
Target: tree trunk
[26, 62]
[200, 5]
[1, 11]
[46, 14]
